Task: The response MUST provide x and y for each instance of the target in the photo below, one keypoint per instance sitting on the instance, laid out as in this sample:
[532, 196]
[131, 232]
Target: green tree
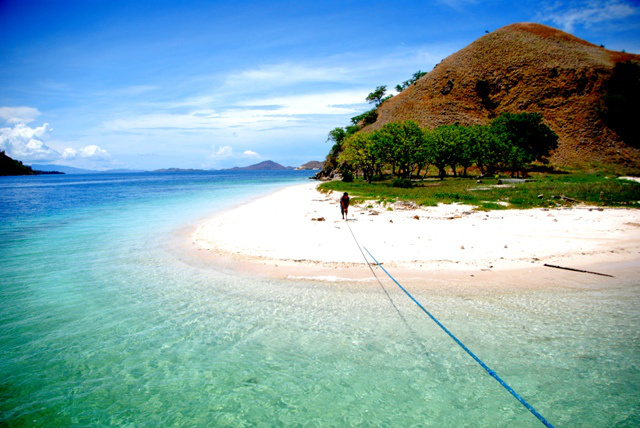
[440, 144]
[336, 135]
[404, 85]
[366, 118]
[464, 153]
[376, 97]
[423, 156]
[383, 147]
[402, 141]
[488, 149]
[531, 140]
[360, 155]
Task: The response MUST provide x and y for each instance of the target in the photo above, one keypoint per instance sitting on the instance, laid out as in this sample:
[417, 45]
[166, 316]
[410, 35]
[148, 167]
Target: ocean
[106, 319]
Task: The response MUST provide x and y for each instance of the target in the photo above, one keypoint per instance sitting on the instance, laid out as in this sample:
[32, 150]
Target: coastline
[279, 236]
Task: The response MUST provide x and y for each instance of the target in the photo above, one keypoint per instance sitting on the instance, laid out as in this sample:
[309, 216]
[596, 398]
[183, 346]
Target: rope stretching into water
[380, 283]
[492, 373]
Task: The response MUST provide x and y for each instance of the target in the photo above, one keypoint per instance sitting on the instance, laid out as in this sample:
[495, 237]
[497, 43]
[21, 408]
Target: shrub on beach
[402, 183]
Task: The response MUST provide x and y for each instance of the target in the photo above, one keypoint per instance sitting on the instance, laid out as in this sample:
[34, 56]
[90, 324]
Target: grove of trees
[510, 142]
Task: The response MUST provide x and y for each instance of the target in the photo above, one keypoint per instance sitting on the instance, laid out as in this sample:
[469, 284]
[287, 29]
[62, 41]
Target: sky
[152, 84]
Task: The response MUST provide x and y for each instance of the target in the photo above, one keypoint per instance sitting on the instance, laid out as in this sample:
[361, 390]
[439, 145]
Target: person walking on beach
[344, 205]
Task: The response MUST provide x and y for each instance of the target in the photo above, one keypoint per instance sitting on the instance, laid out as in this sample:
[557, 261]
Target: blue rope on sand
[492, 373]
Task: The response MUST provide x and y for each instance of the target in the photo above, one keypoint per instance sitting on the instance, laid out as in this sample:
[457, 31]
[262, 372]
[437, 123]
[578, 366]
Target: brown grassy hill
[524, 68]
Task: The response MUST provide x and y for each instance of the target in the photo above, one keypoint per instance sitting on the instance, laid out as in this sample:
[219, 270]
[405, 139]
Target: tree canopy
[404, 85]
[511, 142]
[377, 96]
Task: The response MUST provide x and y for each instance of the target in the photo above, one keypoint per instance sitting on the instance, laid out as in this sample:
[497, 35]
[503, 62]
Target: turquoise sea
[105, 319]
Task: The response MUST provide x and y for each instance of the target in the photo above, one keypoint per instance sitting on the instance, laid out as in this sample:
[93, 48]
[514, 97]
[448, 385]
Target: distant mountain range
[73, 170]
[262, 166]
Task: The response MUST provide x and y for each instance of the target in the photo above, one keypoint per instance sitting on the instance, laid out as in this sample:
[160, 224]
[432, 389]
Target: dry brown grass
[528, 67]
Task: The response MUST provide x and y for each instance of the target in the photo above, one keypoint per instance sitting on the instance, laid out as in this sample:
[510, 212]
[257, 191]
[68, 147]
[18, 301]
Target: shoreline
[278, 235]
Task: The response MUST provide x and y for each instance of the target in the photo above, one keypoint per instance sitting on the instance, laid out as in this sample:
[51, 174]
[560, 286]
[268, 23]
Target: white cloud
[223, 152]
[226, 156]
[587, 13]
[69, 153]
[94, 152]
[14, 115]
[91, 152]
[257, 114]
[286, 74]
[335, 103]
[25, 143]
[256, 119]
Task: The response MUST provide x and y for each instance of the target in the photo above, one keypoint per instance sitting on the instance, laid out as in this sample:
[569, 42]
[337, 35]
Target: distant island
[9, 166]
[262, 166]
[73, 170]
[311, 166]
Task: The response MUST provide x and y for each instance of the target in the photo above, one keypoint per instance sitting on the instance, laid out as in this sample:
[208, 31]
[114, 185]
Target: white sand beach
[280, 235]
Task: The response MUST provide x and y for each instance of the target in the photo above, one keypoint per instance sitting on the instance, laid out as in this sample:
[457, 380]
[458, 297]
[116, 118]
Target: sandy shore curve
[298, 232]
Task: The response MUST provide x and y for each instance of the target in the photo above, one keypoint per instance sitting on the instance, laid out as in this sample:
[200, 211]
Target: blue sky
[212, 84]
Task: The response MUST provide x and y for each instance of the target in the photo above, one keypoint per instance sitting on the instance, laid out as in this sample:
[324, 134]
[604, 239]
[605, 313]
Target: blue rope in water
[492, 373]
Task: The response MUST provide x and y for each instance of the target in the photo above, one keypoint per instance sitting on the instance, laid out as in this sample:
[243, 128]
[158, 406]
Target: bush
[366, 118]
[402, 183]
[347, 176]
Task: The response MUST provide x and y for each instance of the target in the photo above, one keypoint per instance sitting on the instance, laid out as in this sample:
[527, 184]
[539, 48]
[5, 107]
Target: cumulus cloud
[27, 144]
[587, 13]
[224, 156]
[14, 115]
[223, 152]
[91, 152]
[69, 153]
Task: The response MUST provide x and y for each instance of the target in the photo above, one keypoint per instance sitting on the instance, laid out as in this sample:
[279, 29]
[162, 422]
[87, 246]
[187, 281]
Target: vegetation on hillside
[9, 166]
[587, 94]
[404, 85]
[378, 96]
[511, 142]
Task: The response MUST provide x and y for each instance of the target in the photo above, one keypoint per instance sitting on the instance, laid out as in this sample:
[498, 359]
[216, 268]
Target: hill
[9, 166]
[530, 67]
[311, 165]
[262, 166]
[62, 168]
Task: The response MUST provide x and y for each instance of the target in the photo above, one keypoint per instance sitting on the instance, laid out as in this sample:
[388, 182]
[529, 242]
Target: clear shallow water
[103, 323]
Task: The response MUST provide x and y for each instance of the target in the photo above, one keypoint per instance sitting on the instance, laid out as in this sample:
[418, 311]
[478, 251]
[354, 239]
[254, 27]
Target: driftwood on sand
[578, 270]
